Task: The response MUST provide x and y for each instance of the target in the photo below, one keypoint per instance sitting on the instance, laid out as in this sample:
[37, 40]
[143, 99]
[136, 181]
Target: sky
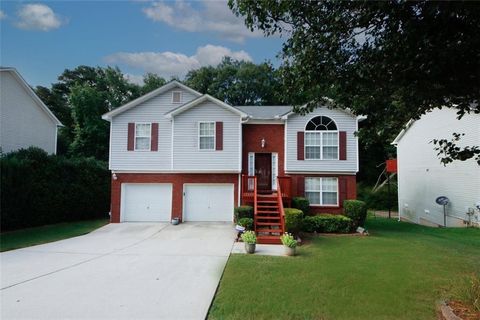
[169, 38]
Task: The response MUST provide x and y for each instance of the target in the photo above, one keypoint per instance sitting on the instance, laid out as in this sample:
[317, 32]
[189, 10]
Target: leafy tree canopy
[390, 60]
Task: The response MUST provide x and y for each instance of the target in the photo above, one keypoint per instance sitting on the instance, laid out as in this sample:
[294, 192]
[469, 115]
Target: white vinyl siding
[186, 150]
[206, 135]
[322, 191]
[344, 121]
[143, 135]
[422, 177]
[150, 111]
[22, 122]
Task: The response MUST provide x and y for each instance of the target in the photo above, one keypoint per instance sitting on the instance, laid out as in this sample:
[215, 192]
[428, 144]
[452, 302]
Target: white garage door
[146, 202]
[208, 202]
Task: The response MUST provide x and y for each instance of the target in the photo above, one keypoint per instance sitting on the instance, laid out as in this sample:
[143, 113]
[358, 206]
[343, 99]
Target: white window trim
[321, 144]
[181, 97]
[321, 192]
[214, 136]
[149, 137]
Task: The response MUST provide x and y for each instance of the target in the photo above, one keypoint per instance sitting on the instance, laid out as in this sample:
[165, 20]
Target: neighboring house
[25, 120]
[175, 152]
[422, 178]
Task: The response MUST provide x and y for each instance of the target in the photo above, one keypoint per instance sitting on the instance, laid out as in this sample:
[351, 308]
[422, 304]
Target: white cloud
[38, 17]
[2, 15]
[169, 64]
[214, 16]
[133, 78]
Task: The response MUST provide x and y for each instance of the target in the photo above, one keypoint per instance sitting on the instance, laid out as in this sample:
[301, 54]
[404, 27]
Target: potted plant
[250, 240]
[290, 244]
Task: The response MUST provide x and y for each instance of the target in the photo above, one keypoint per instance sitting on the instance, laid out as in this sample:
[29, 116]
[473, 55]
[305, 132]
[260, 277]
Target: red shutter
[300, 186]
[300, 145]
[343, 145]
[154, 137]
[131, 137]
[218, 135]
[342, 190]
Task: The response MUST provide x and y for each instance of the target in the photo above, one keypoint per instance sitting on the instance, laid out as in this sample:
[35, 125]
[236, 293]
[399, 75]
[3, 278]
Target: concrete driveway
[120, 271]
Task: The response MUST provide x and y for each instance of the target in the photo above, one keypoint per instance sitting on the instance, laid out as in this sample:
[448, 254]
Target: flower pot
[250, 247]
[290, 251]
[175, 221]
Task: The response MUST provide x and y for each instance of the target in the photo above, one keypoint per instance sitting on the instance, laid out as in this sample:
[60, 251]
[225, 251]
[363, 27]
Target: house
[422, 178]
[177, 153]
[25, 120]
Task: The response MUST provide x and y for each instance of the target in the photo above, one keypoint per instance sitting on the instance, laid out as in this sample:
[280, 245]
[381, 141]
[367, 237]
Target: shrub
[328, 223]
[247, 223]
[39, 189]
[249, 237]
[470, 291]
[301, 203]
[243, 212]
[293, 220]
[378, 200]
[357, 211]
[288, 240]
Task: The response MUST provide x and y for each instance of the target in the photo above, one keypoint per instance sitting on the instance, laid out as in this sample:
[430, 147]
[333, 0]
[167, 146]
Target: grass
[38, 235]
[400, 271]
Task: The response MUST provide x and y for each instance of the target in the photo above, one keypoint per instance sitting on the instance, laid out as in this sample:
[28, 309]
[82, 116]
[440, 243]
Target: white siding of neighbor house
[422, 178]
[23, 123]
[186, 153]
[344, 121]
[152, 110]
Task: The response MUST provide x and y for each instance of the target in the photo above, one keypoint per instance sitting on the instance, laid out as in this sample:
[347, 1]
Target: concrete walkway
[121, 271]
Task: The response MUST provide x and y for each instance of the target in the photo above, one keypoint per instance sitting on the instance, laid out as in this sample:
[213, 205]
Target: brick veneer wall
[177, 181]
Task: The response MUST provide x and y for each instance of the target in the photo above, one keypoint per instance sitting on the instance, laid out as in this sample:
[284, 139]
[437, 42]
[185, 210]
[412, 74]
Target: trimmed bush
[243, 212]
[301, 203]
[327, 223]
[246, 222]
[39, 189]
[378, 200]
[357, 211]
[293, 220]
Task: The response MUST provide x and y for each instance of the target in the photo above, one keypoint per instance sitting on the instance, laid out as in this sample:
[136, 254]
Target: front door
[263, 171]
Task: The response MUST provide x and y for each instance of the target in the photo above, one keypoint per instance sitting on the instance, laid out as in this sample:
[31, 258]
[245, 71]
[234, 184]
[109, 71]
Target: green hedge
[378, 200]
[243, 212]
[302, 204]
[327, 223]
[293, 220]
[39, 189]
[357, 211]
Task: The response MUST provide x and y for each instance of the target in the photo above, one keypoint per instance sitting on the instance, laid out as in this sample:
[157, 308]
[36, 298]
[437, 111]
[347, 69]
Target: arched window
[321, 139]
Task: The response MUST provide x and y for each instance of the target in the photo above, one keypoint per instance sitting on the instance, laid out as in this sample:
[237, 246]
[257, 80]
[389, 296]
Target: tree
[151, 82]
[238, 82]
[390, 60]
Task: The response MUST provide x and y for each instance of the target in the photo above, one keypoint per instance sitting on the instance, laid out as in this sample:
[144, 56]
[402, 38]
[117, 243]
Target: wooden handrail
[280, 204]
[254, 203]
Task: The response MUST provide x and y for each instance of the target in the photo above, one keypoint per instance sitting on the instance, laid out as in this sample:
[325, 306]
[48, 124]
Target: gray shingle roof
[264, 112]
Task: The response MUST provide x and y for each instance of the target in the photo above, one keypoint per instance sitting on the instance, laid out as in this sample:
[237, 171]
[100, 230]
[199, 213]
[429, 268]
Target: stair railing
[254, 203]
[280, 205]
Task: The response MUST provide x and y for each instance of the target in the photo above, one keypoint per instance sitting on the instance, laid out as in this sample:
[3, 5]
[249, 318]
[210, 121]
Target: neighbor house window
[321, 139]
[142, 136]
[206, 135]
[176, 96]
[322, 191]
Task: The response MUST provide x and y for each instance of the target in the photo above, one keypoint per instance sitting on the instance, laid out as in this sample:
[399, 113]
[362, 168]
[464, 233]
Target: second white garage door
[208, 202]
[146, 202]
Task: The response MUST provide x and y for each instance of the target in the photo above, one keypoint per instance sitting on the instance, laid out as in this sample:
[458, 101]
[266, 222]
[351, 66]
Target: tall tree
[238, 82]
[390, 60]
[151, 82]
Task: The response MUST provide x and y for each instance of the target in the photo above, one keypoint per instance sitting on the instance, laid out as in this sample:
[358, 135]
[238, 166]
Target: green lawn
[33, 236]
[399, 272]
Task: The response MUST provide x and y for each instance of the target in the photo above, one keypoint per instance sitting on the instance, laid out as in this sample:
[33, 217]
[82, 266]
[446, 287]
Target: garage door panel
[208, 202]
[146, 202]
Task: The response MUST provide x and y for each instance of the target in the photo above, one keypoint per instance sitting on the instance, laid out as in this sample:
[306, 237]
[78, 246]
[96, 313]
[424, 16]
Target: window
[176, 97]
[142, 136]
[206, 136]
[322, 191]
[321, 139]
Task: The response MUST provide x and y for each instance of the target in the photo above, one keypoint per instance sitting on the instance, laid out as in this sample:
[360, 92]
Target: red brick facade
[177, 181]
[252, 135]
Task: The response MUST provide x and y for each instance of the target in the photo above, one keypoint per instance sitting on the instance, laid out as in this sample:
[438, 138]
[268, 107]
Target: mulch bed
[463, 311]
